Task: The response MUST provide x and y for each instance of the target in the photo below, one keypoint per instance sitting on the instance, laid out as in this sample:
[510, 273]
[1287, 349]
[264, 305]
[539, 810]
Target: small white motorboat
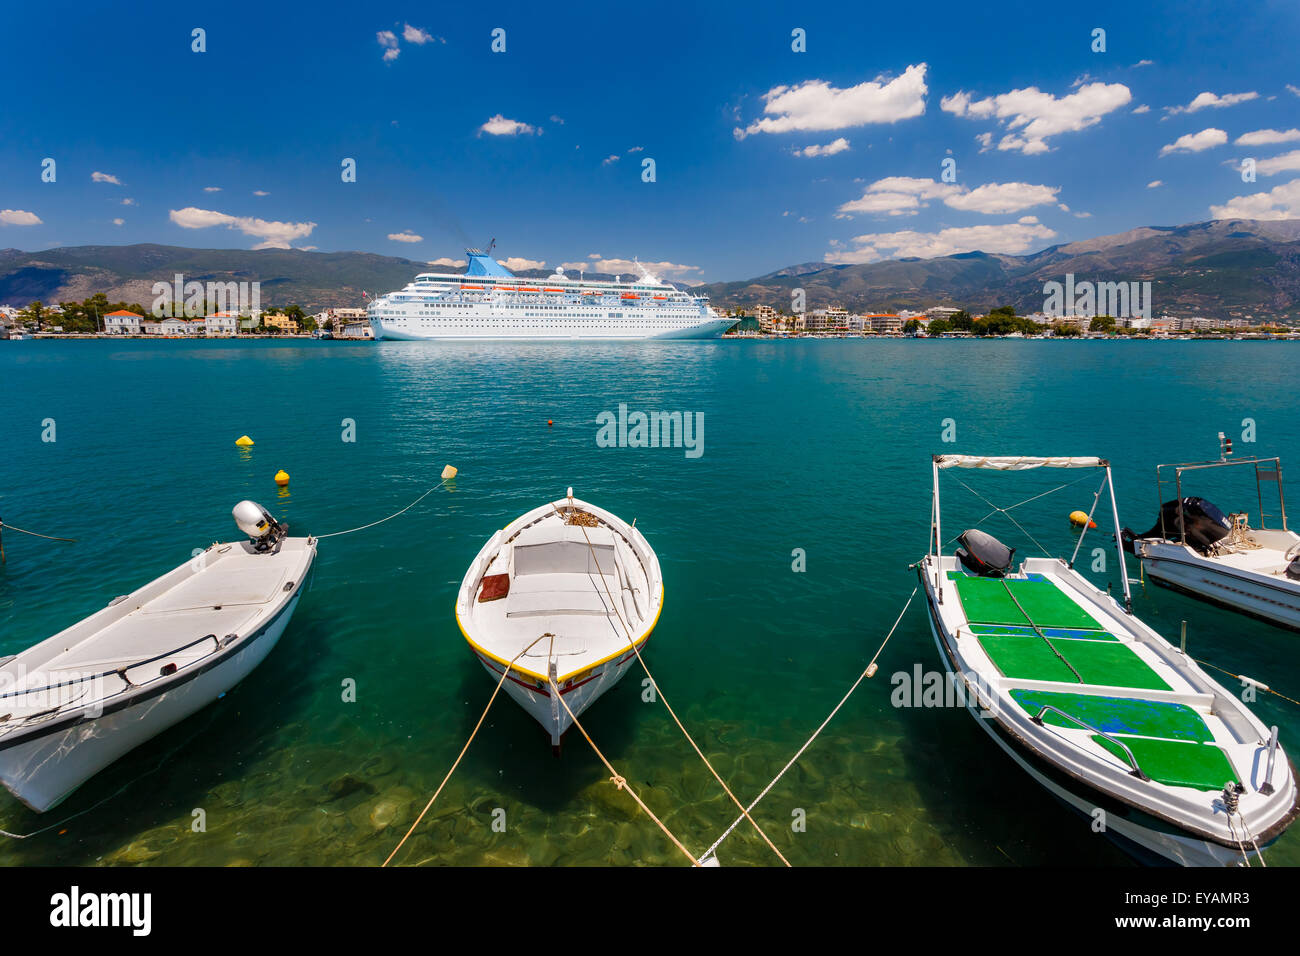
[1195, 548]
[76, 702]
[1093, 704]
[564, 596]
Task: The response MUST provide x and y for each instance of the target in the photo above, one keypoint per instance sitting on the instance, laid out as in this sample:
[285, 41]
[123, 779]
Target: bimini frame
[1022, 463]
[1266, 469]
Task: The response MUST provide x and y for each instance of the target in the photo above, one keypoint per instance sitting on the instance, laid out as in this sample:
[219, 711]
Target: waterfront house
[122, 322]
[280, 322]
[886, 323]
[221, 323]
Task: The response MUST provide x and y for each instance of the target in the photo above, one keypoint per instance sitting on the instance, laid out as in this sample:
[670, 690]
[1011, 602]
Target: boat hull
[710, 328]
[538, 700]
[1126, 826]
[1275, 600]
[45, 770]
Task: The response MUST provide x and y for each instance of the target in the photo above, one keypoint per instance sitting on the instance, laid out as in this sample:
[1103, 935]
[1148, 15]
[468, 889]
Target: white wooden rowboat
[564, 596]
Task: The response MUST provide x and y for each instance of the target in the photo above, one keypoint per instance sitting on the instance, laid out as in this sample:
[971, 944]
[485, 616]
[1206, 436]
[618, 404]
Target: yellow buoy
[1080, 518]
[448, 472]
[243, 441]
[281, 477]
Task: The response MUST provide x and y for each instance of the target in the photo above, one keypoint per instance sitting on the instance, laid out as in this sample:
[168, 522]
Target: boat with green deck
[1096, 706]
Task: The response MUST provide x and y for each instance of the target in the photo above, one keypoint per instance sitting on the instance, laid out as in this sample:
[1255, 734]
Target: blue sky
[542, 146]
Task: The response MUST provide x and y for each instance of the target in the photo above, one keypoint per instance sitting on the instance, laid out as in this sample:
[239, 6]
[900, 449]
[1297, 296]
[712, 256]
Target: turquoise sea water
[822, 446]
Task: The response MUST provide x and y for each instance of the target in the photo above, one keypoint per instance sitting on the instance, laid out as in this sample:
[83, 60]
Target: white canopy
[1014, 463]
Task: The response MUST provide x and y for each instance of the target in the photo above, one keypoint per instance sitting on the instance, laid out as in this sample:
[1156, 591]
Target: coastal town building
[122, 322]
[221, 323]
[280, 322]
[886, 323]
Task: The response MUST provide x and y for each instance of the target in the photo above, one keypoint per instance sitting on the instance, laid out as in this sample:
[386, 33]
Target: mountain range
[1221, 268]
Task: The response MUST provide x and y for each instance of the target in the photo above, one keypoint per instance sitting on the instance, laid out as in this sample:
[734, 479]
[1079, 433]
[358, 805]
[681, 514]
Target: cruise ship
[490, 302]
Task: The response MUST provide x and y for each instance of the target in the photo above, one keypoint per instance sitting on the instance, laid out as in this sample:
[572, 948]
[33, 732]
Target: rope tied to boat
[335, 534]
[428, 806]
[1039, 632]
[47, 537]
[627, 632]
[619, 780]
[869, 671]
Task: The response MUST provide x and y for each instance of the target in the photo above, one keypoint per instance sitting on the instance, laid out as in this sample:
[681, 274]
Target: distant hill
[1223, 268]
[313, 280]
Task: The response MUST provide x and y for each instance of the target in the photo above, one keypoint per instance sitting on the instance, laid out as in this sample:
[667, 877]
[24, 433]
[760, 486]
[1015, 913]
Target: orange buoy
[1080, 518]
[282, 478]
[549, 423]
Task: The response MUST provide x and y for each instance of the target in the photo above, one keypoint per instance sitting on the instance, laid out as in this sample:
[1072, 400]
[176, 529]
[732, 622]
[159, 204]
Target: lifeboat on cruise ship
[476, 288]
[629, 295]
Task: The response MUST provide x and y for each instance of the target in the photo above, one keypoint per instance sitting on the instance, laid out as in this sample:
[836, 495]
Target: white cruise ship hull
[479, 328]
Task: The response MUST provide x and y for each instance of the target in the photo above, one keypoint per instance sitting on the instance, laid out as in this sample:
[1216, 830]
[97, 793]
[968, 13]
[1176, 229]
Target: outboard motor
[982, 554]
[264, 532]
[1206, 525]
[1293, 570]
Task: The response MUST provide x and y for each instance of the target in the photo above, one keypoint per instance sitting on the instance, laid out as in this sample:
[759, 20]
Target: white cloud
[449, 263]
[118, 222]
[1280, 202]
[128, 201]
[1207, 100]
[598, 263]
[816, 105]
[636, 149]
[1010, 238]
[830, 149]
[905, 195]
[1031, 116]
[1287, 162]
[276, 235]
[405, 236]
[105, 178]
[19, 217]
[1141, 63]
[212, 189]
[1267, 137]
[557, 120]
[1293, 89]
[416, 35]
[994, 198]
[1155, 184]
[500, 126]
[388, 40]
[1196, 142]
[517, 264]
[260, 192]
[1142, 109]
[610, 159]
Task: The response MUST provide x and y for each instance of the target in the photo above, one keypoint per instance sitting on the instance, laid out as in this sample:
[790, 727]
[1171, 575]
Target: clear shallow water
[817, 445]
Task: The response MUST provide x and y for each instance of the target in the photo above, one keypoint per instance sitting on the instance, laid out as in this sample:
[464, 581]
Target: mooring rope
[655, 685]
[335, 534]
[1250, 680]
[47, 537]
[504, 673]
[619, 781]
[1039, 632]
[868, 672]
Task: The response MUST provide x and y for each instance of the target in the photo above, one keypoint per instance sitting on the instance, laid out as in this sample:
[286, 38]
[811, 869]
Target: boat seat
[553, 602]
[562, 557]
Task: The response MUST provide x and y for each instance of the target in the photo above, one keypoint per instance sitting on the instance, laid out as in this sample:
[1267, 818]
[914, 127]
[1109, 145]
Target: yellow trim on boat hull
[559, 677]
